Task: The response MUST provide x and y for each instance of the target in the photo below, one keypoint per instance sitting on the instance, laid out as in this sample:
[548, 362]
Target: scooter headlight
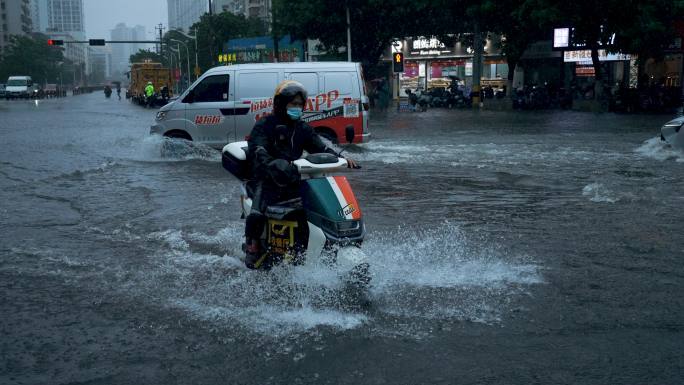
[343, 229]
[161, 115]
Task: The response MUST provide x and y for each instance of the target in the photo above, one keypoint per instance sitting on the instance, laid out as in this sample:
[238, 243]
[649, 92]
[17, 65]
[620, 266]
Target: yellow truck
[161, 79]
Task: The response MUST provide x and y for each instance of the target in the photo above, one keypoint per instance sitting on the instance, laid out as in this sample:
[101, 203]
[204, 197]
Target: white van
[20, 87]
[224, 103]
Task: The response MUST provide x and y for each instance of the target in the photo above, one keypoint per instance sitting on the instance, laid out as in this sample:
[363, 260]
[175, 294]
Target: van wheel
[328, 134]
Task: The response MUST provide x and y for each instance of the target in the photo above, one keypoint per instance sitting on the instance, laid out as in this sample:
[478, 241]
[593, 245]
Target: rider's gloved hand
[283, 172]
[352, 164]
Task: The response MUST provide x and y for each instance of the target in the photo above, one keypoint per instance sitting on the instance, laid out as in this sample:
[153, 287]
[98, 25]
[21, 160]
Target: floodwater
[505, 248]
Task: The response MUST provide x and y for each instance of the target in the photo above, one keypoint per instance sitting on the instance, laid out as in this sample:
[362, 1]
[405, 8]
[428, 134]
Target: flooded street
[505, 248]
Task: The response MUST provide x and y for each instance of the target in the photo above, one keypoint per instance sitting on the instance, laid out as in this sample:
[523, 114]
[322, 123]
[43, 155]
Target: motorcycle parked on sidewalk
[323, 225]
[424, 100]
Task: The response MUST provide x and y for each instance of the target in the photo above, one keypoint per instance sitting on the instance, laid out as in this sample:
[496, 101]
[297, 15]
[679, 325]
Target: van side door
[254, 98]
[210, 110]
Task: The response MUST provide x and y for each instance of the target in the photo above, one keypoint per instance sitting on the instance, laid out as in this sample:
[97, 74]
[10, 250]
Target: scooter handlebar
[306, 167]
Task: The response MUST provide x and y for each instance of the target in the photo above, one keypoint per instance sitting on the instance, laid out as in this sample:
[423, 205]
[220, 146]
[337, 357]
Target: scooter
[324, 225]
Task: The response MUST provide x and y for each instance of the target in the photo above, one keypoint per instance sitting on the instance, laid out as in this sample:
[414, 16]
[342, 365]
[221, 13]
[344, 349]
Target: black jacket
[273, 144]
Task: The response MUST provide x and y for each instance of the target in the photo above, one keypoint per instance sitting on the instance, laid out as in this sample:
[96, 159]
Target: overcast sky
[101, 16]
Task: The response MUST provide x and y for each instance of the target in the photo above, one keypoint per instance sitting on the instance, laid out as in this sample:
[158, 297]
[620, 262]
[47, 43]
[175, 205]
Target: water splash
[599, 193]
[155, 148]
[658, 149]
[434, 273]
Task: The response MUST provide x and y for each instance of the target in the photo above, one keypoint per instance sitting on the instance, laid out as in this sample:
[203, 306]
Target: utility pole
[276, 38]
[210, 11]
[349, 57]
[160, 28]
[477, 65]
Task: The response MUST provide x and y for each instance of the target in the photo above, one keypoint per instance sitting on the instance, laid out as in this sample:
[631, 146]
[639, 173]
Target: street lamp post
[349, 56]
[195, 39]
[187, 57]
[180, 66]
[170, 56]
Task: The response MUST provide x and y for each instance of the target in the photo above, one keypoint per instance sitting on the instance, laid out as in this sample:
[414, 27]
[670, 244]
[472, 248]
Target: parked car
[22, 87]
[223, 105]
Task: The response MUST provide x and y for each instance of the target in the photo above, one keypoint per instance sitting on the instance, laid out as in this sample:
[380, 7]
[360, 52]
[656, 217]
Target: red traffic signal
[55, 42]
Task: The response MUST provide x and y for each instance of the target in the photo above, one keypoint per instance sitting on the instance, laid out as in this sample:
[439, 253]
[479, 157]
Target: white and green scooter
[324, 225]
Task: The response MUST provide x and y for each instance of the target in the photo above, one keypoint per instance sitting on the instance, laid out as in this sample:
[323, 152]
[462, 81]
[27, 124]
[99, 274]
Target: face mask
[294, 113]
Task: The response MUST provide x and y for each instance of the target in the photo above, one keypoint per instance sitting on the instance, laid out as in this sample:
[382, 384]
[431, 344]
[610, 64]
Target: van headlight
[674, 125]
[161, 115]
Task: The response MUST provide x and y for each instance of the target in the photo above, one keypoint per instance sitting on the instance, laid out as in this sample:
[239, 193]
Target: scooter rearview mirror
[349, 133]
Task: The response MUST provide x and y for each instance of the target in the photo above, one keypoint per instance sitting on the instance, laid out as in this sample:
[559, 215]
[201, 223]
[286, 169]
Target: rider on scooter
[274, 143]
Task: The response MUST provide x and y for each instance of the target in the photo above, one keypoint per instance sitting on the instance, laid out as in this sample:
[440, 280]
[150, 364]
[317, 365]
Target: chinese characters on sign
[585, 56]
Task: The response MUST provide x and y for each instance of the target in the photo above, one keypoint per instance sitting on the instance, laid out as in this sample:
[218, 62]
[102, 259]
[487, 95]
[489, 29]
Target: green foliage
[374, 23]
[644, 28]
[213, 31]
[32, 56]
[143, 55]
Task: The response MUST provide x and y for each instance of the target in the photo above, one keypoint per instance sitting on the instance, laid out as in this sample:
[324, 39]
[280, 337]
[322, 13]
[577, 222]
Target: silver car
[672, 133]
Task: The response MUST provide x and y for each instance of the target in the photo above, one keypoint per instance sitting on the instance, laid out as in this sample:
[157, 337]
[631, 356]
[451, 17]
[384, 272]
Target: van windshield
[17, 82]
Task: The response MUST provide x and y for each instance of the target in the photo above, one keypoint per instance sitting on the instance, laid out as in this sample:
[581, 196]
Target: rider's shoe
[251, 254]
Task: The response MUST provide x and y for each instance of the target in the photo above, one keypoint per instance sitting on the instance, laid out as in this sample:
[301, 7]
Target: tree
[644, 28]
[374, 23]
[31, 55]
[143, 55]
[213, 31]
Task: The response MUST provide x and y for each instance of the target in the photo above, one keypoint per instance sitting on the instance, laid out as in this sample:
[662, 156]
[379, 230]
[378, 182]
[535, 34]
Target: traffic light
[55, 42]
[97, 41]
[398, 62]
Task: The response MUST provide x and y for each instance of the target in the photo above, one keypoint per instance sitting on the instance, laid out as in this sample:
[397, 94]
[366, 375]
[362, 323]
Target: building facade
[184, 13]
[259, 8]
[247, 8]
[121, 53]
[238, 7]
[15, 18]
[99, 64]
[429, 63]
[65, 16]
[62, 20]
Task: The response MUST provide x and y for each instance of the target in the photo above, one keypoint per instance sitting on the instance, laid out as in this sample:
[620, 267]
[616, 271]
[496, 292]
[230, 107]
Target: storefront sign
[564, 38]
[427, 44]
[585, 71]
[429, 47]
[561, 37]
[469, 69]
[445, 68]
[585, 56]
[410, 69]
[397, 46]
